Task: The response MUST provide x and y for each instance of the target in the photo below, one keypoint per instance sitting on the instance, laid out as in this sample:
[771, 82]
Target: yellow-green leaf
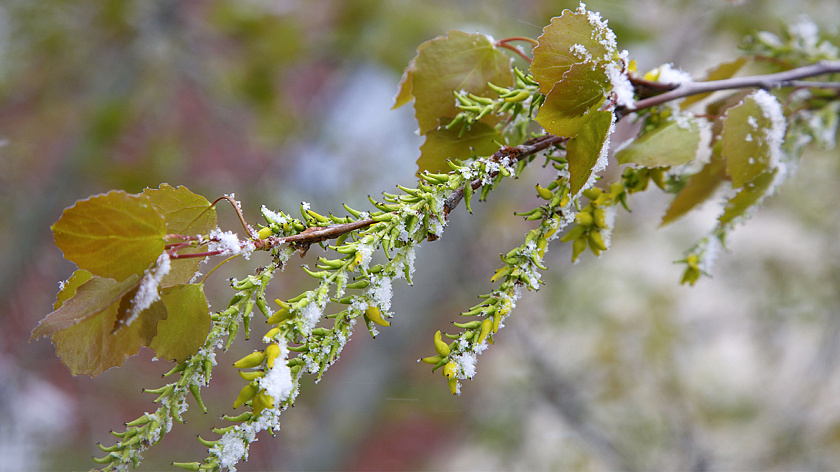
[751, 194]
[752, 137]
[185, 328]
[580, 92]
[404, 93]
[442, 144]
[583, 150]
[113, 235]
[449, 64]
[185, 213]
[85, 314]
[572, 38]
[83, 296]
[699, 188]
[672, 143]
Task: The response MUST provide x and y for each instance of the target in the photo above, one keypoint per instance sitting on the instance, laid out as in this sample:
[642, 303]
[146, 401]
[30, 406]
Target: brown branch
[517, 153]
[238, 211]
[312, 235]
[786, 78]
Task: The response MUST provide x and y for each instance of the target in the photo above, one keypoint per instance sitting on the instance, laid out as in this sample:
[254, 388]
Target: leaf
[584, 150]
[701, 186]
[566, 106]
[185, 213]
[723, 71]
[113, 235]
[404, 93]
[572, 38]
[83, 296]
[751, 194]
[752, 137]
[672, 143]
[185, 328]
[85, 314]
[446, 65]
[442, 144]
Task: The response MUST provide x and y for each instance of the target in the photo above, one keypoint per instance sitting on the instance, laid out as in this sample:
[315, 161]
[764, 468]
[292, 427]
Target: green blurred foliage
[119, 94]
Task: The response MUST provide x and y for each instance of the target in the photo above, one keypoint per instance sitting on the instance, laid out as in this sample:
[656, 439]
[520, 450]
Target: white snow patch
[147, 291]
[668, 74]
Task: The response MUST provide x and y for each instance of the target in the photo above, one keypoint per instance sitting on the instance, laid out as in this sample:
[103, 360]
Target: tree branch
[314, 234]
[786, 78]
[517, 153]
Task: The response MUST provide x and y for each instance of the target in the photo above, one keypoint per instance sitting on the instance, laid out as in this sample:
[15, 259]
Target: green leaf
[580, 92]
[584, 150]
[185, 329]
[442, 144]
[572, 38]
[751, 194]
[446, 65]
[85, 314]
[723, 71]
[113, 235]
[672, 143]
[701, 186]
[752, 137]
[185, 213]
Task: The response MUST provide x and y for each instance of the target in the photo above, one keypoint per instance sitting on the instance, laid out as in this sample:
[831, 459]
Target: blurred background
[612, 366]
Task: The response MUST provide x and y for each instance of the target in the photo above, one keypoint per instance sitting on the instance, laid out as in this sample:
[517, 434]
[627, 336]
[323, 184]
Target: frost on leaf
[587, 152]
[111, 235]
[753, 133]
[449, 64]
[579, 37]
[749, 196]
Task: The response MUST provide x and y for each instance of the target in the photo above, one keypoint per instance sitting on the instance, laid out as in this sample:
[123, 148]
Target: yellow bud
[271, 333]
[271, 354]
[374, 315]
[264, 233]
[251, 360]
[252, 375]
[600, 217]
[544, 193]
[279, 316]
[450, 369]
[497, 321]
[518, 96]
[596, 241]
[433, 360]
[584, 218]
[261, 402]
[453, 386]
[578, 247]
[248, 392]
[592, 193]
[441, 347]
[486, 326]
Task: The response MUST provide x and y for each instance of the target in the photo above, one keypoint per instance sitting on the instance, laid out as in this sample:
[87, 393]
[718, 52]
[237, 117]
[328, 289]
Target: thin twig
[786, 78]
[503, 43]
